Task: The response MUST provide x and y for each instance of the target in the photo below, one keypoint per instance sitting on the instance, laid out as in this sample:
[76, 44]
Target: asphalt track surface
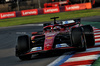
[8, 40]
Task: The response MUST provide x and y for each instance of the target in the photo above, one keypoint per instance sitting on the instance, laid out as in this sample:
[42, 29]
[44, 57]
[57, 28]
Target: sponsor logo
[29, 12]
[61, 45]
[7, 15]
[51, 10]
[49, 37]
[63, 2]
[36, 49]
[72, 8]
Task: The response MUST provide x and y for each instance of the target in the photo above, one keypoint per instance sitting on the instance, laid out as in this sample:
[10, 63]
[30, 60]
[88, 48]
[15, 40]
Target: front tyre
[22, 47]
[25, 57]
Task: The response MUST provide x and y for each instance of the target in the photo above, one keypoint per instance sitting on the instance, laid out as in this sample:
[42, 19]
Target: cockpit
[52, 28]
[60, 26]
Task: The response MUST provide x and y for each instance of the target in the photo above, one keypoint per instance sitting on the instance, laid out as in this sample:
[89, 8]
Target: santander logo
[7, 15]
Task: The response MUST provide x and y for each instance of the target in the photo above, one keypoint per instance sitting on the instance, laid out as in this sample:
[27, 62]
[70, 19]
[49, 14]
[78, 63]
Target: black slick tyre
[25, 57]
[78, 39]
[89, 35]
[23, 45]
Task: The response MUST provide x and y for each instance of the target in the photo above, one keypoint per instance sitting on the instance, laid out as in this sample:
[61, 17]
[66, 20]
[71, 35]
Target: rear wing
[74, 21]
[68, 22]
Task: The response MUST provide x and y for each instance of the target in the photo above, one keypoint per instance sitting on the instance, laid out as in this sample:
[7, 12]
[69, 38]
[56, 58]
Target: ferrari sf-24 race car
[61, 35]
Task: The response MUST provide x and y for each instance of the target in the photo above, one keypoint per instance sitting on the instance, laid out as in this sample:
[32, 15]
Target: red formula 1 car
[58, 36]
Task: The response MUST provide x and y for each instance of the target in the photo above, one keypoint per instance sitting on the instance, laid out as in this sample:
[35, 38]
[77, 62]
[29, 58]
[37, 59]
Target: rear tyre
[78, 39]
[23, 46]
[89, 35]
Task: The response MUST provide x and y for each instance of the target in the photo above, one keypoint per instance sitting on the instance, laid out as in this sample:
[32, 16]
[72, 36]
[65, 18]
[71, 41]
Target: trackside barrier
[7, 15]
[45, 10]
[88, 5]
[18, 13]
[40, 11]
[78, 7]
[51, 10]
[29, 12]
[75, 7]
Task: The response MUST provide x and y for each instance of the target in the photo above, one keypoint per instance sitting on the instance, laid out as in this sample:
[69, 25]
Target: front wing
[49, 51]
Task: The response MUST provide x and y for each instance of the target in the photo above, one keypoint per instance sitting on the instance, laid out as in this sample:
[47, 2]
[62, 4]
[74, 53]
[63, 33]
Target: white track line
[58, 59]
[97, 36]
[96, 30]
[97, 44]
[97, 39]
[89, 57]
[97, 33]
[33, 25]
[84, 65]
[91, 50]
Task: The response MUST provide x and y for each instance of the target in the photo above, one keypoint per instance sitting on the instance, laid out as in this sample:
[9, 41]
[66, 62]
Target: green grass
[95, 24]
[97, 62]
[46, 17]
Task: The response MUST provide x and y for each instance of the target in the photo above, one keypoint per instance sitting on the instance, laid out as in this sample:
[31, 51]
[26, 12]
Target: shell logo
[49, 37]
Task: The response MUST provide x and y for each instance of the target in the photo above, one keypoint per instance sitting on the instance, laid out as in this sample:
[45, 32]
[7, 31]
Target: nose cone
[49, 40]
[48, 48]
[48, 43]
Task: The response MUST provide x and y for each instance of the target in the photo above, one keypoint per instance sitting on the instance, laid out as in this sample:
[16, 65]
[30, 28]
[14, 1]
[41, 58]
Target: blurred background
[17, 5]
